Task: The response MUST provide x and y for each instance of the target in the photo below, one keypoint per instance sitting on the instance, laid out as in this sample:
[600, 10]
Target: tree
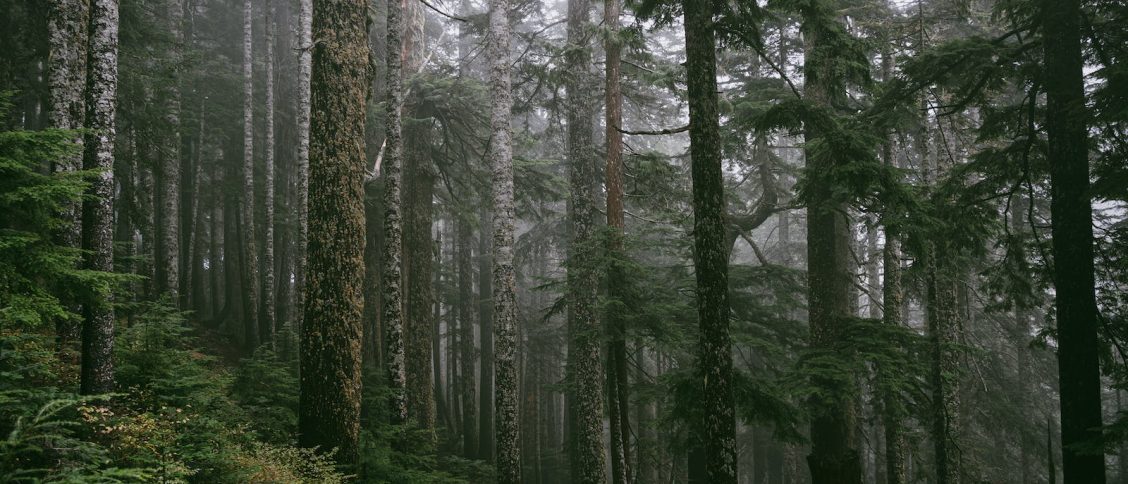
[329, 409]
[168, 179]
[833, 457]
[504, 275]
[267, 323]
[97, 214]
[393, 225]
[67, 25]
[301, 185]
[250, 273]
[466, 339]
[1072, 230]
[713, 458]
[583, 378]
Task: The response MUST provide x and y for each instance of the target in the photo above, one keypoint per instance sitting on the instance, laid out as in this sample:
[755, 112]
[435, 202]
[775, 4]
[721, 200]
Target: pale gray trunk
[504, 276]
[391, 170]
[268, 282]
[97, 374]
[247, 219]
[67, 24]
[301, 185]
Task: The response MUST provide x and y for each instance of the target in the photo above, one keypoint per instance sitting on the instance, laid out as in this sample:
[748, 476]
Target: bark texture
[168, 177]
[466, 339]
[329, 408]
[97, 373]
[250, 276]
[504, 276]
[267, 323]
[301, 184]
[1072, 230]
[393, 225]
[834, 456]
[584, 378]
[716, 433]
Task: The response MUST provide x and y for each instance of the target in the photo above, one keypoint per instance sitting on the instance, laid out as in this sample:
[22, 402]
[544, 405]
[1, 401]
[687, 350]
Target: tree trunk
[168, 176]
[617, 381]
[504, 276]
[267, 323]
[485, 321]
[393, 228]
[714, 444]
[250, 273]
[67, 24]
[97, 374]
[1072, 231]
[467, 352]
[329, 408]
[301, 187]
[834, 457]
[588, 463]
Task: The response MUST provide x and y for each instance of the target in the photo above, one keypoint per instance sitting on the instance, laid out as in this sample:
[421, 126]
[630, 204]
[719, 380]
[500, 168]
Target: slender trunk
[67, 24]
[441, 404]
[168, 176]
[393, 228]
[714, 454]
[467, 352]
[97, 374]
[617, 381]
[301, 186]
[329, 410]
[250, 273]
[1072, 231]
[486, 323]
[267, 324]
[504, 275]
[584, 378]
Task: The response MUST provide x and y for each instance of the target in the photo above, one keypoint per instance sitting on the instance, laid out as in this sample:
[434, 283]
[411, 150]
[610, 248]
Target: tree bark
[504, 276]
[1072, 232]
[588, 462]
[393, 225]
[97, 370]
[834, 457]
[267, 323]
[301, 186]
[617, 377]
[467, 352]
[713, 457]
[486, 321]
[329, 408]
[168, 176]
[250, 273]
[67, 26]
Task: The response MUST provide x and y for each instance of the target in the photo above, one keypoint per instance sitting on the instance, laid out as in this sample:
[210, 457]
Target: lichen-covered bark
[834, 456]
[329, 408]
[584, 376]
[943, 327]
[67, 23]
[168, 175]
[716, 434]
[504, 276]
[250, 273]
[485, 321]
[1072, 231]
[97, 374]
[301, 184]
[418, 197]
[466, 339]
[267, 323]
[393, 225]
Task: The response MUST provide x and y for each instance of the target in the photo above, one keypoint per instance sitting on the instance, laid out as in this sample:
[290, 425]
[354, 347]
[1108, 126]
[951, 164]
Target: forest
[564, 241]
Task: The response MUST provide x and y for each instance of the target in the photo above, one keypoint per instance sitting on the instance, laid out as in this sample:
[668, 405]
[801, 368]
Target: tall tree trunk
[442, 409]
[168, 176]
[418, 196]
[714, 454]
[588, 463]
[834, 457]
[301, 186]
[617, 381]
[97, 375]
[504, 275]
[485, 321]
[467, 352]
[266, 326]
[393, 225]
[67, 24]
[1072, 231]
[329, 408]
[250, 273]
